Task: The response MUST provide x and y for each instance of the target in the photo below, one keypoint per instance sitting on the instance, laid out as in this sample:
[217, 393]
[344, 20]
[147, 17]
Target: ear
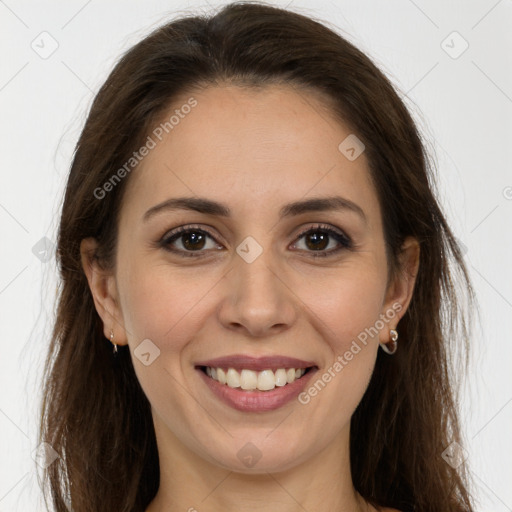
[400, 290]
[103, 288]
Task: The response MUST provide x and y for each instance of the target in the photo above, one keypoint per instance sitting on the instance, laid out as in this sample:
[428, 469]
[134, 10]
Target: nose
[257, 301]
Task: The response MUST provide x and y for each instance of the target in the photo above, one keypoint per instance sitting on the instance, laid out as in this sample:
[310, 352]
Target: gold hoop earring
[394, 344]
[112, 341]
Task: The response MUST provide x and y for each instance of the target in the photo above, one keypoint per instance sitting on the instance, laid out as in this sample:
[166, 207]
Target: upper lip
[241, 361]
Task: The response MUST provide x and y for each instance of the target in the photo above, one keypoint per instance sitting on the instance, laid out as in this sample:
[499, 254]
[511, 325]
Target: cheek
[346, 304]
[162, 305]
[346, 310]
[166, 308]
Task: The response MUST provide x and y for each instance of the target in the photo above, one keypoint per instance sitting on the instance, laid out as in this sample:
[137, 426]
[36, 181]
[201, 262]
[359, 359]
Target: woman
[249, 217]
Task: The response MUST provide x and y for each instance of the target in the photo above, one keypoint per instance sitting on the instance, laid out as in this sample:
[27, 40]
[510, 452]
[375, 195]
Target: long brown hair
[94, 412]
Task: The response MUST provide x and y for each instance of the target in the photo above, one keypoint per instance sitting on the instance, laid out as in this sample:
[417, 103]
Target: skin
[238, 147]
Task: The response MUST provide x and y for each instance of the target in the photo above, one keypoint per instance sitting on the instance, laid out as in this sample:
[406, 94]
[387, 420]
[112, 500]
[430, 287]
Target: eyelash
[342, 239]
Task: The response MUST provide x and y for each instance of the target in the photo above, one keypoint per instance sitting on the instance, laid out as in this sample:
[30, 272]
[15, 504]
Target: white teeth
[280, 376]
[221, 376]
[251, 380]
[266, 380]
[233, 378]
[248, 379]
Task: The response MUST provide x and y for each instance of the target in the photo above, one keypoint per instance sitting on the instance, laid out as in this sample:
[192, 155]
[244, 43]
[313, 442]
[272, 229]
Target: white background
[463, 105]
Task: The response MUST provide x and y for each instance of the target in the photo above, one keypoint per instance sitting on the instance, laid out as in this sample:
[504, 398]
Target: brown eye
[318, 238]
[186, 241]
[317, 241]
[193, 240]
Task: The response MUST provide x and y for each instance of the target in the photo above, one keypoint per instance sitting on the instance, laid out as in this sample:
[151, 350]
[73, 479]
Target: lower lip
[257, 401]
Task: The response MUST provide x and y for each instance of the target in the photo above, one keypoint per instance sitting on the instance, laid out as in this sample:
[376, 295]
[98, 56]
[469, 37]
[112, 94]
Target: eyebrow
[209, 207]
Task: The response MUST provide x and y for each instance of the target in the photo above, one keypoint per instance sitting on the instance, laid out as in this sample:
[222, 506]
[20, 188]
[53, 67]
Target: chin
[255, 463]
[259, 454]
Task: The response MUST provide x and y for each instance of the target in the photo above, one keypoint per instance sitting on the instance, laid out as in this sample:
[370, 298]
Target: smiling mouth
[250, 380]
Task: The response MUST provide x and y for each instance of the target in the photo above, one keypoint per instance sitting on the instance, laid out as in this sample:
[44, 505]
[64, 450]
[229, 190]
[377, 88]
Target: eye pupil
[319, 240]
[193, 240]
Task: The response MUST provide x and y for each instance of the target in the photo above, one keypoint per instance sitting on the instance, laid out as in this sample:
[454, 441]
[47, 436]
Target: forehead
[248, 146]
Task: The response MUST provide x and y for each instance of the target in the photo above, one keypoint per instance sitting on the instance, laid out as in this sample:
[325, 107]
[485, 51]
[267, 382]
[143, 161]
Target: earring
[394, 344]
[112, 341]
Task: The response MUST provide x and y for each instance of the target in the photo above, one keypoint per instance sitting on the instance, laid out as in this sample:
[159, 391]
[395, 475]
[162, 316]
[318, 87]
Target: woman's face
[246, 283]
